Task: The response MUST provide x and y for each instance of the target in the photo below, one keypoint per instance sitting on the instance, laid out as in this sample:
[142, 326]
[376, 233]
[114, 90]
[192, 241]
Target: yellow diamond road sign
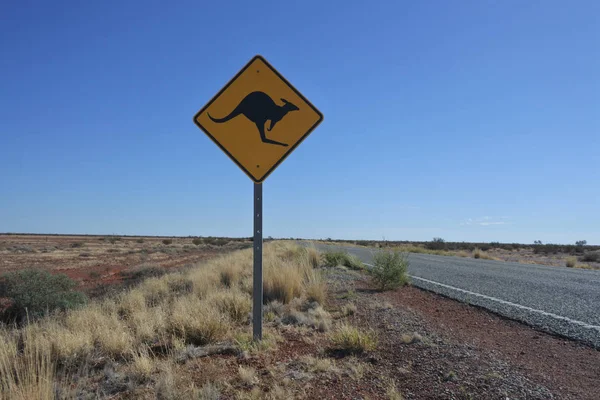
[258, 118]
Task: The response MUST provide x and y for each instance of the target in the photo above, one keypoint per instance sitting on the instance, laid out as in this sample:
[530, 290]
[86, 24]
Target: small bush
[591, 256]
[389, 270]
[197, 241]
[76, 245]
[316, 287]
[140, 240]
[333, 259]
[571, 262]
[167, 241]
[349, 339]
[34, 292]
[353, 262]
[141, 273]
[94, 275]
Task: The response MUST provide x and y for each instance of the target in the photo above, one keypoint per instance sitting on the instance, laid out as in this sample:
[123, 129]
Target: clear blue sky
[467, 120]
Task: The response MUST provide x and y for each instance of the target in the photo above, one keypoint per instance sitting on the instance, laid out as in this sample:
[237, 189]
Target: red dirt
[96, 261]
[564, 366]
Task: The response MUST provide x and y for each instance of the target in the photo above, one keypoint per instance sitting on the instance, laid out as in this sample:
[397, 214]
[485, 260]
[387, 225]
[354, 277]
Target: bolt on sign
[258, 119]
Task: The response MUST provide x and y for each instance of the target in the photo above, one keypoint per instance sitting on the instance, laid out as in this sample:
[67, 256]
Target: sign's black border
[258, 57]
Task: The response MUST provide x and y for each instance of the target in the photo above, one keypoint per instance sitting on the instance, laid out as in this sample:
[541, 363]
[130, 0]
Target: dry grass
[411, 338]
[198, 322]
[352, 340]
[349, 309]
[313, 256]
[208, 391]
[26, 374]
[392, 393]
[421, 250]
[234, 303]
[318, 365]
[316, 287]
[247, 375]
[201, 306]
[282, 282]
[480, 254]
[142, 365]
[166, 388]
[571, 262]
[584, 266]
[355, 369]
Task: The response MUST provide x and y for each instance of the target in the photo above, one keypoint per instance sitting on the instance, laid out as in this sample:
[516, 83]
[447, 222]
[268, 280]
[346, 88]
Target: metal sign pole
[257, 295]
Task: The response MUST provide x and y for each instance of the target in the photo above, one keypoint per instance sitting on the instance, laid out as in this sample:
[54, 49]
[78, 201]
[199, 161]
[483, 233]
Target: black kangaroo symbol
[259, 108]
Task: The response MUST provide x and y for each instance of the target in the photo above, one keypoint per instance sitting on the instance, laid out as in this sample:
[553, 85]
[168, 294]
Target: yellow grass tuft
[316, 287]
[349, 339]
[155, 290]
[480, 254]
[392, 393]
[28, 374]
[317, 365]
[197, 321]
[282, 281]
[142, 365]
[131, 303]
[114, 337]
[234, 303]
[247, 375]
[149, 324]
[204, 281]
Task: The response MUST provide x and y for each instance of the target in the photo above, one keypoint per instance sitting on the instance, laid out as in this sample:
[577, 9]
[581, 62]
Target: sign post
[257, 275]
[258, 118]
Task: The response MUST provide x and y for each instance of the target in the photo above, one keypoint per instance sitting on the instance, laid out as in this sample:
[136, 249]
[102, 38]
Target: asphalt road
[559, 300]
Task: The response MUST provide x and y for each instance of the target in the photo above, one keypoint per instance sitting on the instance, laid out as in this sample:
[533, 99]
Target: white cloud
[487, 221]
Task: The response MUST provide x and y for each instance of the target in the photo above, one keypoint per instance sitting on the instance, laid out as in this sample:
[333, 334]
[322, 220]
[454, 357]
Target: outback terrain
[333, 330]
[96, 261]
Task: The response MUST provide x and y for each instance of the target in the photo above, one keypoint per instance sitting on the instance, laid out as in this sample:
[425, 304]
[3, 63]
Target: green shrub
[197, 241]
[167, 241]
[389, 270]
[353, 262]
[591, 256]
[140, 240]
[34, 292]
[334, 258]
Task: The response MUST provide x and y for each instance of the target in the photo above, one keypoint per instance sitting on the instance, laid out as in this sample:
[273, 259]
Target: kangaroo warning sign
[258, 119]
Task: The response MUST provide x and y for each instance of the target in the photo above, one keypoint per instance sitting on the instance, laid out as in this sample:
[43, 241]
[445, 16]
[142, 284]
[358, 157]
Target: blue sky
[467, 120]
